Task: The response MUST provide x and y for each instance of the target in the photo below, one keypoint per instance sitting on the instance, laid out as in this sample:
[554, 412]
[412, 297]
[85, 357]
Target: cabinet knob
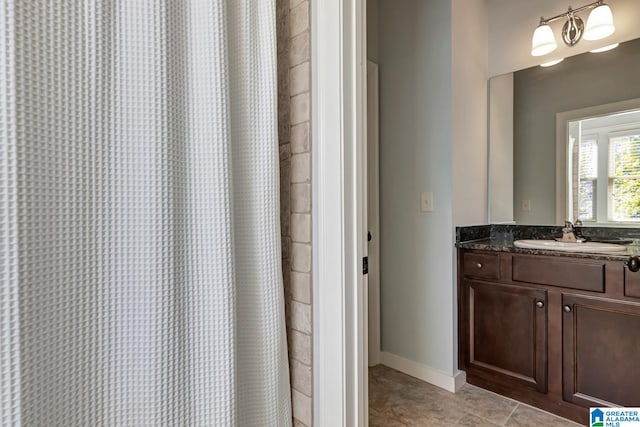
[567, 309]
[540, 304]
[633, 263]
[479, 265]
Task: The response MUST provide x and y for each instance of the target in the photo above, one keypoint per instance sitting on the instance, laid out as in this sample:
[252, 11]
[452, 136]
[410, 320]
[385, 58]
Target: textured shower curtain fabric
[140, 268]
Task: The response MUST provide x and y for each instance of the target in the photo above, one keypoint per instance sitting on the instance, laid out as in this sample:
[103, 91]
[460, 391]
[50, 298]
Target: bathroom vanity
[557, 330]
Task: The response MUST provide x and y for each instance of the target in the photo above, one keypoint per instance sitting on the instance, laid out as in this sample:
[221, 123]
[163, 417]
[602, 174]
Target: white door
[373, 214]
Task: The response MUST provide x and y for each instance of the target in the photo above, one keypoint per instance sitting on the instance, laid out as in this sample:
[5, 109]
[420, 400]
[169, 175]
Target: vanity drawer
[566, 273]
[482, 266]
[631, 283]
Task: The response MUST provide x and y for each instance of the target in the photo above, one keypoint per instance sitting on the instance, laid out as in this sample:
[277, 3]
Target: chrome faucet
[569, 234]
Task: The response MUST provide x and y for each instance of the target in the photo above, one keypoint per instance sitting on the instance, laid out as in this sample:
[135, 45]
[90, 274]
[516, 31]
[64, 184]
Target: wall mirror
[598, 157]
[532, 114]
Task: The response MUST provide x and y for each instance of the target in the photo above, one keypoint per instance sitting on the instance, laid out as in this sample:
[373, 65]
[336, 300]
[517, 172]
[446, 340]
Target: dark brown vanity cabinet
[507, 333]
[556, 332]
[600, 351]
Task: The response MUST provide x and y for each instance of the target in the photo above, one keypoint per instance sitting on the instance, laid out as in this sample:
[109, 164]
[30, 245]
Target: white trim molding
[338, 124]
[562, 136]
[424, 372]
[373, 212]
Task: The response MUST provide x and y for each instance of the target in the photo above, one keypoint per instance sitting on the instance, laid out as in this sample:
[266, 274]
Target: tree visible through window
[624, 178]
[603, 166]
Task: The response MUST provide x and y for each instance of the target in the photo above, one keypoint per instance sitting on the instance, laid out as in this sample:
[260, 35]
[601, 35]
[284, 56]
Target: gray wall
[415, 156]
[501, 149]
[539, 93]
[511, 25]
[372, 30]
[432, 138]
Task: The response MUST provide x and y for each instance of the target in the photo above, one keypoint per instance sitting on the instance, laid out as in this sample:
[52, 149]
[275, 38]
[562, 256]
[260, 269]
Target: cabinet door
[507, 333]
[600, 351]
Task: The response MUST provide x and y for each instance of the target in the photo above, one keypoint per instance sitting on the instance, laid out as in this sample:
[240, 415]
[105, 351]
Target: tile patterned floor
[396, 399]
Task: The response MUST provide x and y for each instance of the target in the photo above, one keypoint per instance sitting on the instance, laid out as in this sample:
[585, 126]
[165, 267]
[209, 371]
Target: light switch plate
[526, 205]
[426, 201]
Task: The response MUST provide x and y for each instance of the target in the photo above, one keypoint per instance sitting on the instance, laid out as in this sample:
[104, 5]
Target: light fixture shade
[552, 63]
[543, 41]
[600, 23]
[605, 48]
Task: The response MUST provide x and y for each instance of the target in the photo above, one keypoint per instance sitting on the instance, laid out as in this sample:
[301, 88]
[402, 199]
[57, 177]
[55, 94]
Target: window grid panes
[624, 178]
[587, 178]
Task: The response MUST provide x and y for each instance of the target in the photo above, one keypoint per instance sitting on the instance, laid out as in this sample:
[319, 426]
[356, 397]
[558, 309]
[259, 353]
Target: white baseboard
[424, 372]
[459, 379]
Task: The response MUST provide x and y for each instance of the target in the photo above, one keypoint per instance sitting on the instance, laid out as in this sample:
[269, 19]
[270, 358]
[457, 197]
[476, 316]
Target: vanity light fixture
[605, 48]
[552, 63]
[600, 23]
[543, 40]
[599, 26]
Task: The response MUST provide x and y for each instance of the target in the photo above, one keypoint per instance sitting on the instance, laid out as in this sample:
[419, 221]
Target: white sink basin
[554, 245]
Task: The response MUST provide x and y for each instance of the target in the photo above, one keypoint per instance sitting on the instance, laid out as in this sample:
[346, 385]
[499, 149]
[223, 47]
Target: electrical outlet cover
[426, 201]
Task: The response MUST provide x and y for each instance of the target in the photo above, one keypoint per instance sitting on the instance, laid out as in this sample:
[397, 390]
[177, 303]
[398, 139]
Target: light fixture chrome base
[572, 29]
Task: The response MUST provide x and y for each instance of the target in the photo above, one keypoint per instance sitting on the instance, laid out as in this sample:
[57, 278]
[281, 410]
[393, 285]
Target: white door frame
[373, 213]
[339, 132]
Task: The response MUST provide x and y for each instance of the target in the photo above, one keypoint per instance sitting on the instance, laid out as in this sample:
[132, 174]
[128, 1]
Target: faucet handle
[578, 222]
[568, 232]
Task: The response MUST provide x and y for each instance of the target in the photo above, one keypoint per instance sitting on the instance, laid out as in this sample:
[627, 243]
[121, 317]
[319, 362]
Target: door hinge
[365, 265]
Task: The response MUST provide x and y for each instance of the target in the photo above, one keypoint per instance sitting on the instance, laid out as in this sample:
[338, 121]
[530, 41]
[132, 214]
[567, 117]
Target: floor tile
[484, 404]
[471, 420]
[383, 419]
[525, 416]
[399, 400]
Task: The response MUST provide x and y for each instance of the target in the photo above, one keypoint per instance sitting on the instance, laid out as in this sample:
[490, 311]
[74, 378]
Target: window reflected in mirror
[603, 157]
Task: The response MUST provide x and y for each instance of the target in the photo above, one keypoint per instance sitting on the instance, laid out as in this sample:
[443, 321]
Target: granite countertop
[506, 245]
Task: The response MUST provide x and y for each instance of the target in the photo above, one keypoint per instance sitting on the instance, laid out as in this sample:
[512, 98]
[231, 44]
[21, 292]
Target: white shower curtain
[140, 266]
